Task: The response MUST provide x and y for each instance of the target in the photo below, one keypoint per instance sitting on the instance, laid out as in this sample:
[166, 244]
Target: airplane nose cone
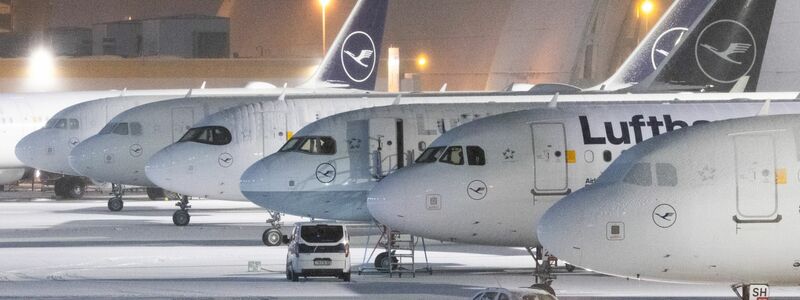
[46, 150]
[569, 228]
[388, 202]
[162, 168]
[88, 159]
[252, 182]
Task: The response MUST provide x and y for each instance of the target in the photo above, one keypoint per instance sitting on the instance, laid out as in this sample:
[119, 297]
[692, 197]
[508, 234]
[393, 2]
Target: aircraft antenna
[765, 108]
[553, 102]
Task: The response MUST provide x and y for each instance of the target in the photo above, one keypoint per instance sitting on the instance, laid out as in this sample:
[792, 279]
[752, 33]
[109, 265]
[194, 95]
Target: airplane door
[182, 120]
[549, 159]
[357, 149]
[384, 145]
[756, 196]
[274, 126]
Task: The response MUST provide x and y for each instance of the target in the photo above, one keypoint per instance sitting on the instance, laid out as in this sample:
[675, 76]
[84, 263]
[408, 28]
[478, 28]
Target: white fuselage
[533, 159]
[119, 156]
[715, 203]
[48, 147]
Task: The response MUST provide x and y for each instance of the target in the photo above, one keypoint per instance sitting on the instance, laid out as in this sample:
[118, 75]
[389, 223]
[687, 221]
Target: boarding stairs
[401, 250]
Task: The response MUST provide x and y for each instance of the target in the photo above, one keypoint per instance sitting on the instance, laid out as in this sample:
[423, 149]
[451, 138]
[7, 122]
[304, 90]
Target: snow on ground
[79, 249]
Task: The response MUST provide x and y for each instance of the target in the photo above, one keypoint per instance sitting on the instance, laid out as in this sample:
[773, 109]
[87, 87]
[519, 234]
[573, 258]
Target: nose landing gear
[273, 235]
[181, 217]
[116, 203]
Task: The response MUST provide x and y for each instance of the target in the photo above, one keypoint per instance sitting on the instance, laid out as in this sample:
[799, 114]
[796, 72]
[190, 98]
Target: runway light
[41, 70]
[647, 7]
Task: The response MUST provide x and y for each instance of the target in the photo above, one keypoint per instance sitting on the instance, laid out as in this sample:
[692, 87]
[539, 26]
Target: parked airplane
[563, 149]
[689, 205]
[119, 152]
[48, 148]
[168, 168]
[21, 114]
[489, 181]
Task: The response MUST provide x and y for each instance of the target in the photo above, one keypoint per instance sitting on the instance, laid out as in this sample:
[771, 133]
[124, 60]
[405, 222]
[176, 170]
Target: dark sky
[84, 13]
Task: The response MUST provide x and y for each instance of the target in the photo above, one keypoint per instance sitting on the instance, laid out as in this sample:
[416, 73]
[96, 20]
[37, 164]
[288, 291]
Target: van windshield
[321, 233]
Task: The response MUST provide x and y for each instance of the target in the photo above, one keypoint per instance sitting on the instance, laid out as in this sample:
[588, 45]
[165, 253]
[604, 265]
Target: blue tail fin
[658, 44]
[723, 50]
[352, 60]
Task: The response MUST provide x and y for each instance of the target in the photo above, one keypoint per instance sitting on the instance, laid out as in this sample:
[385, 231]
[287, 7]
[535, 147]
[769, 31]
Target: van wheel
[272, 237]
[346, 277]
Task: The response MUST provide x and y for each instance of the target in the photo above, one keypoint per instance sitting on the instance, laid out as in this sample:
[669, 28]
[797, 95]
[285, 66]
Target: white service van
[318, 249]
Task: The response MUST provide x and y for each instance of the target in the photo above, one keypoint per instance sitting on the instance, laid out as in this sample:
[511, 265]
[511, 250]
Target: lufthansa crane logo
[725, 51]
[665, 43]
[225, 160]
[135, 150]
[664, 215]
[358, 56]
[477, 190]
[326, 173]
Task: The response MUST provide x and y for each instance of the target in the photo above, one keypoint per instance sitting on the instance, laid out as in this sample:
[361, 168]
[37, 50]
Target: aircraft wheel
[382, 261]
[181, 218]
[570, 268]
[115, 204]
[544, 287]
[58, 187]
[272, 237]
[155, 193]
[73, 188]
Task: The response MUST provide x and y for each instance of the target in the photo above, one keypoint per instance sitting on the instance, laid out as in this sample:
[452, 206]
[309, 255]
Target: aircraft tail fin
[726, 45]
[658, 44]
[353, 58]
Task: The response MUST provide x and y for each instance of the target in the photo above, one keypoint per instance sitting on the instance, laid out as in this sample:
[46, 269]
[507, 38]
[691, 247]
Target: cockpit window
[108, 128]
[666, 175]
[56, 123]
[121, 129]
[430, 155]
[74, 124]
[639, 174]
[210, 135]
[136, 128]
[291, 144]
[322, 145]
[475, 156]
[453, 155]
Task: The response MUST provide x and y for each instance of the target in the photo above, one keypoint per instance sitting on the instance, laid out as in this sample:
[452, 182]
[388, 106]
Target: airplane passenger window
[640, 175]
[136, 128]
[607, 156]
[666, 175]
[121, 129]
[430, 155]
[74, 124]
[475, 156]
[453, 155]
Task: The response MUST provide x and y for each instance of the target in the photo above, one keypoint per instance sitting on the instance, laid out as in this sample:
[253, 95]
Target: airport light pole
[324, 4]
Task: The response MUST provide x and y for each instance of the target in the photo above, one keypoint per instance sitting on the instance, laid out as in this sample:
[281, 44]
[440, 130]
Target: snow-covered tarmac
[79, 249]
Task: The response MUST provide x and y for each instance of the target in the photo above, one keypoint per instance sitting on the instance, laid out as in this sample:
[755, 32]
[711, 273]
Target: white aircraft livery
[119, 152]
[688, 206]
[490, 181]
[48, 148]
[181, 167]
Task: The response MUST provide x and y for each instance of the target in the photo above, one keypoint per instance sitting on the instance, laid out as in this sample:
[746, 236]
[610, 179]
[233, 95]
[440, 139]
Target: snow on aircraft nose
[46, 149]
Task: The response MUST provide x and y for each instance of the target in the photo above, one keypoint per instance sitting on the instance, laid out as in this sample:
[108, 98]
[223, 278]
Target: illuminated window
[453, 155]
